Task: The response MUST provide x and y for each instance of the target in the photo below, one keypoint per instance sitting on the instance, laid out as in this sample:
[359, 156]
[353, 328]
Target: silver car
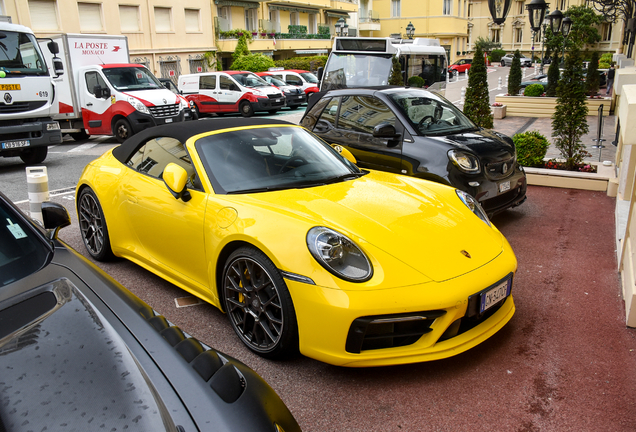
[507, 60]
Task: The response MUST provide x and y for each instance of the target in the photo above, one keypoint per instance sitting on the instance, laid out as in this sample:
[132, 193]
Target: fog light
[473, 184]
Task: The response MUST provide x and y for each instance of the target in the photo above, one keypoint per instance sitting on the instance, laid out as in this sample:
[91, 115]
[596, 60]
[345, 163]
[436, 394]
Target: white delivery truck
[27, 95]
[103, 94]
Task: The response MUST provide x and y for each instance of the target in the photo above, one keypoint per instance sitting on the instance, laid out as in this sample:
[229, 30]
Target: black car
[415, 132]
[80, 352]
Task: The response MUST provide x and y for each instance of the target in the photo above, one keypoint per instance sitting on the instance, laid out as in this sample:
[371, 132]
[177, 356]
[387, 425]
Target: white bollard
[499, 83]
[38, 187]
[523, 73]
[463, 95]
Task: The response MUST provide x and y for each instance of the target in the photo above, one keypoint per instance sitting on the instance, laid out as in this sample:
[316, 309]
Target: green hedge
[416, 81]
[252, 63]
[534, 90]
[496, 55]
[303, 63]
[531, 148]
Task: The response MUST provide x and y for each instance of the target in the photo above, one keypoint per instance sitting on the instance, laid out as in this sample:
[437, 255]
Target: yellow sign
[9, 86]
[113, 99]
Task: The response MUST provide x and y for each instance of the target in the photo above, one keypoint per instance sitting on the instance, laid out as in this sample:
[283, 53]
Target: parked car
[81, 352]
[539, 79]
[294, 94]
[460, 66]
[418, 133]
[302, 249]
[230, 92]
[191, 113]
[299, 77]
[507, 60]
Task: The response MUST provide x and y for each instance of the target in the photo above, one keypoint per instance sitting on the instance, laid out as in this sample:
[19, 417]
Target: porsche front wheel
[93, 226]
[259, 305]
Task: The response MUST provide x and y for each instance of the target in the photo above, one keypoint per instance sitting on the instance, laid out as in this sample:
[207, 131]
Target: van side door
[97, 99]
[208, 94]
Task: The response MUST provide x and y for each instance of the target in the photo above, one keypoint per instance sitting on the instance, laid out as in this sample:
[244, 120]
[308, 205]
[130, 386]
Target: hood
[156, 97]
[488, 145]
[68, 365]
[268, 90]
[425, 225]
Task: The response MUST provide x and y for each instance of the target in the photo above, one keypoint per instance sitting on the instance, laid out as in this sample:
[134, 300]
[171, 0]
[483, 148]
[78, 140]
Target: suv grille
[501, 169]
[164, 110]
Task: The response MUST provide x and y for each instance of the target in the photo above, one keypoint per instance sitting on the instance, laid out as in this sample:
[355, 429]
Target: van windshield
[20, 54]
[132, 78]
[250, 80]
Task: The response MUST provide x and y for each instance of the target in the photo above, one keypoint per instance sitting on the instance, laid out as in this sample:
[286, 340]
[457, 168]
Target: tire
[93, 226]
[503, 63]
[293, 107]
[258, 304]
[79, 136]
[122, 130]
[246, 109]
[34, 155]
[272, 112]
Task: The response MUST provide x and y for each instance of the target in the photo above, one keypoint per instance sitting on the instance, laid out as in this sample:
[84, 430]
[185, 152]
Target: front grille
[275, 96]
[19, 107]
[501, 169]
[389, 331]
[164, 110]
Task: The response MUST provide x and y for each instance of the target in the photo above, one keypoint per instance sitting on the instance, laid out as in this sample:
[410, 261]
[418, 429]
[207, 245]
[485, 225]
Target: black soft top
[183, 130]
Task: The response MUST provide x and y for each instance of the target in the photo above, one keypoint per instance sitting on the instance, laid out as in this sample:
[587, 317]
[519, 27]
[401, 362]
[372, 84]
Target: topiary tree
[534, 90]
[241, 47]
[514, 77]
[569, 122]
[553, 76]
[416, 81]
[396, 73]
[496, 55]
[253, 62]
[531, 148]
[477, 98]
[592, 82]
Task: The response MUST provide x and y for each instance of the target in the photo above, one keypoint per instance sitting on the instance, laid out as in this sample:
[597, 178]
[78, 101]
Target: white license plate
[278, 100]
[503, 187]
[300, 97]
[16, 144]
[495, 295]
[168, 120]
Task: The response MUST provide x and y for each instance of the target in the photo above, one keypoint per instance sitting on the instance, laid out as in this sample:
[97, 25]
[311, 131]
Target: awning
[336, 14]
[316, 51]
[237, 3]
[292, 8]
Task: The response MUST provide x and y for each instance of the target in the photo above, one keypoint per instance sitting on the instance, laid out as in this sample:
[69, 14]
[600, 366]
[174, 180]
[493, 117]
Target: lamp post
[499, 10]
[536, 11]
[342, 28]
[566, 26]
[546, 22]
[410, 30]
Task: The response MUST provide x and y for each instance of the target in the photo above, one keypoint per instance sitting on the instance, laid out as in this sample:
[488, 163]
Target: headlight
[136, 104]
[473, 205]
[257, 92]
[339, 255]
[183, 104]
[465, 161]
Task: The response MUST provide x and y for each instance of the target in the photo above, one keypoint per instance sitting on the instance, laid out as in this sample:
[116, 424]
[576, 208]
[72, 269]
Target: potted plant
[499, 110]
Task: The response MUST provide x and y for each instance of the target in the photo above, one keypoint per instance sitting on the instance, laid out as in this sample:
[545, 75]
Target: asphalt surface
[565, 362]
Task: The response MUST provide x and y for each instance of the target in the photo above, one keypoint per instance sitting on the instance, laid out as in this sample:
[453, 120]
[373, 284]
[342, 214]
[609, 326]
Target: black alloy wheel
[259, 305]
[93, 226]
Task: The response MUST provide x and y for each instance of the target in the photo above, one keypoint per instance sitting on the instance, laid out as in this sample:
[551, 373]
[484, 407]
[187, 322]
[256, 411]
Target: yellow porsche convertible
[302, 250]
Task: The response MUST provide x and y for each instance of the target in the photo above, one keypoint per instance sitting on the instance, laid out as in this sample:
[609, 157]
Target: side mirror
[55, 217]
[175, 177]
[53, 47]
[101, 92]
[233, 87]
[319, 73]
[58, 66]
[385, 130]
[345, 153]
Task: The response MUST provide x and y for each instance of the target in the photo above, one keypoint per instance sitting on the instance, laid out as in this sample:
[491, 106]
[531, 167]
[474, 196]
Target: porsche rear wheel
[259, 305]
[93, 226]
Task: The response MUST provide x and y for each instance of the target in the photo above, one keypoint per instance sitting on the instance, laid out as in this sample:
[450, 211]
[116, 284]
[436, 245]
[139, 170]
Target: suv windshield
[309, 77]
[20, 54]
[22, 252]
[356, 70]
[431, 114]
[250, 80]
[271, 158]
[132, 78]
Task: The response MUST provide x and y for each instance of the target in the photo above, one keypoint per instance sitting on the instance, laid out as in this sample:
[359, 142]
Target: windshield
[132, 78]
[309, 77]
[22, 252]
[275, 81]
[431, 114]
[20, 54]
[250, 80]
[356, 70]
[271, 158]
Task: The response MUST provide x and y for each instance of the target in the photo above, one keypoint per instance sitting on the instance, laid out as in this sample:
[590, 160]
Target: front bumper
[16, 137]
[325, 316]
[140, 121]
[267, 104]
[295, 99]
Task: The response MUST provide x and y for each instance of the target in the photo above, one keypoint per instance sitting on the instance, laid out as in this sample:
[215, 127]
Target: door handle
[89, 104]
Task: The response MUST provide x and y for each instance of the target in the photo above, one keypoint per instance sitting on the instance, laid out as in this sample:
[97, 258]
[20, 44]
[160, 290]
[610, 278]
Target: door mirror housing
[175, 178]
[58, 66]
[55, 217]
[386, 130]
[101, 92]
[345, 153]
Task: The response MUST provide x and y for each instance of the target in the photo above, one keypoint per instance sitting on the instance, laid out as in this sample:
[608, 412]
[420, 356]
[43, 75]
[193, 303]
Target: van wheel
[122, 130]
[34, 155]
[246, 109]
[272, 112]
[79, 136]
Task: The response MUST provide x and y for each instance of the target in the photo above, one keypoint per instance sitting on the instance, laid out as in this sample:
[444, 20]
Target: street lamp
[546, 22]
[499, 10]
[566, 26]
[342, 28]
[556, 19]
[410, 30]
[536, 11]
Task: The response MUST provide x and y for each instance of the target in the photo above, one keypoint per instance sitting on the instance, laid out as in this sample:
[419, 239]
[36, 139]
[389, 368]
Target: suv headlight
[473, 205]
[465, 161]
[339, 255]
[136, 104]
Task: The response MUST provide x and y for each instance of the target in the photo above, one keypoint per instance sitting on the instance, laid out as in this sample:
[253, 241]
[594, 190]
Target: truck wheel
[79, 136]
[34, 155]
[246, 109]
[122, 130]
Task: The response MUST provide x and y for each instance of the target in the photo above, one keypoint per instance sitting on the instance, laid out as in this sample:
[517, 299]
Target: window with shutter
[163, 19]
[43, 15]
[192, 21]
[90, 15]
[129, 18]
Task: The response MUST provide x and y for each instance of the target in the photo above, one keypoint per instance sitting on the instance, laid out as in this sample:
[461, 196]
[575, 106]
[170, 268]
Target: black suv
[415, 132]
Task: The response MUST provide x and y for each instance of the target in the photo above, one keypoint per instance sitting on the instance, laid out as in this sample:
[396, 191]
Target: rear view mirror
[345, 153]
[385, 130]
[53, 47]
[58, 66]
[101, 92]
[175, 178]
[55, 217]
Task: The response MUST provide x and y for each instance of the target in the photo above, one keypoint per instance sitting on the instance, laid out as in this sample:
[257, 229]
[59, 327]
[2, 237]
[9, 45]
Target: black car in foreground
[411, 131]
[80, 352]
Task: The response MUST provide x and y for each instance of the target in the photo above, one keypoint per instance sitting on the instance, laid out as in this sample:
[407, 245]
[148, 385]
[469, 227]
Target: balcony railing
[269, 26]
[370, 17]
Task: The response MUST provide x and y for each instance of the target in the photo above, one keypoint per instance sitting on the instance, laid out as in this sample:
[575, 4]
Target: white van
[230, 92]
[297, 77]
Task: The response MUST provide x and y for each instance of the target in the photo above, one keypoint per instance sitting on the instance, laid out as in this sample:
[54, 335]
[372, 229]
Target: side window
[154, 155]
[207, 82]
[226, 83]
[363, 114]
[327, 120]
[294, 80]
[311, 117]
[94, 79]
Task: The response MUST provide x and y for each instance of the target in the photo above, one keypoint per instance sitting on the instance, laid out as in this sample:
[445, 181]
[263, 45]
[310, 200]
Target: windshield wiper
[257, 190]
[345, 177]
